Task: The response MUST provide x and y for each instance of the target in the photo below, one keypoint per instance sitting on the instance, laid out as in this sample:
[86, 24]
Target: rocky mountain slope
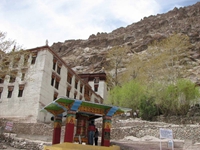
[90, 55]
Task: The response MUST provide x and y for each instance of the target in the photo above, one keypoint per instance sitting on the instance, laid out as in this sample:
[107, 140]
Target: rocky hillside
[90, 55]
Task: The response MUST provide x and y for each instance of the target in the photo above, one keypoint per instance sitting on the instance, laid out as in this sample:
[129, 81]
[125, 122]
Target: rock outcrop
[90, 55]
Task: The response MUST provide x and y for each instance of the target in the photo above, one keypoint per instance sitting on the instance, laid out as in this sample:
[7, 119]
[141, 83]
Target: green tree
[147, 108]
[5, 45]
[10, 56]
[176, 98]
[115, 58]
[165, 60]
[128, 95]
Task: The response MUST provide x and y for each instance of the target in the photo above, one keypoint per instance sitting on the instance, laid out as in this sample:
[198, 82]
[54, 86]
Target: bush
[148, 108]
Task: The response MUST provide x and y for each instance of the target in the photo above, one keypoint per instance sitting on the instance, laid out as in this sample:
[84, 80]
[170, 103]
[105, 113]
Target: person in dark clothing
[96, 135]
[91, 130]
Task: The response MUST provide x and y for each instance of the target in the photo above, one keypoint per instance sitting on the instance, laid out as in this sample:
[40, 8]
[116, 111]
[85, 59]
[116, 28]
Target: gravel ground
[153, 146]
[142, 145]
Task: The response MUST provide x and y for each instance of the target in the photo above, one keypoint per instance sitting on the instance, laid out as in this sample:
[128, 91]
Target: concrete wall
[102, 88]
[38, 90]
[24, 107]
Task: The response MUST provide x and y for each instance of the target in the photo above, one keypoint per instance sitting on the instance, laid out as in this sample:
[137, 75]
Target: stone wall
[33, 131]
[120, 129]
[179, 119]
[9, 141]
[139, 129]
[30, 128]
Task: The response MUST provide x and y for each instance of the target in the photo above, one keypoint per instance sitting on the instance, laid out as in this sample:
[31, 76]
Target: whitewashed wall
[102, 89]
[38, 90]
[23, 108]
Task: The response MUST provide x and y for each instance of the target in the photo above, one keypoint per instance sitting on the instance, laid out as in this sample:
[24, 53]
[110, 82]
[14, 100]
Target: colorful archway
[79, 113]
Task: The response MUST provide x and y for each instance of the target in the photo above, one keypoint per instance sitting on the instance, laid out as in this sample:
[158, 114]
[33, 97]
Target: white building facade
[97, 81]
[44, 78]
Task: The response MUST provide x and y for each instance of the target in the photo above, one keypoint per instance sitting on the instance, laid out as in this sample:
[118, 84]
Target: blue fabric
[91, 137]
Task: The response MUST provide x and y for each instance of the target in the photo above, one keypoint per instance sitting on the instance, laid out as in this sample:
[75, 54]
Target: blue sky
[31, 22]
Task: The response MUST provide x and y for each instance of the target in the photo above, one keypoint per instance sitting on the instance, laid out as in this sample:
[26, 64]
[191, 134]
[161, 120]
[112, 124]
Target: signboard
[9, 126]
[166, 134]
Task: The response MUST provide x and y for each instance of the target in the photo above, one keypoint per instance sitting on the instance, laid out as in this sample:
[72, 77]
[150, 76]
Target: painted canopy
[65, 104]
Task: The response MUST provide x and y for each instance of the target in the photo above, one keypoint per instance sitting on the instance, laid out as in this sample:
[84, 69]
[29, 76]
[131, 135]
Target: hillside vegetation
[158, 57]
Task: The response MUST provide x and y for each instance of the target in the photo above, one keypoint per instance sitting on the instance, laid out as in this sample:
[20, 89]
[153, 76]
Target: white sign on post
[9, 126]
[166, 134]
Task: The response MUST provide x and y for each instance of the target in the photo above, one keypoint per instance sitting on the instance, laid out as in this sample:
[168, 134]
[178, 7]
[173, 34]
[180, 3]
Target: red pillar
[106, 127]
[69, 127]
[57, 129]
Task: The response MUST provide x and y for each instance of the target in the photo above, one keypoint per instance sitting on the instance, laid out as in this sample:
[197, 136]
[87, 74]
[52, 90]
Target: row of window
[75, 94]
[67, 94]
[55, 80]
[15, 62]
[10, 91]
[12, 78]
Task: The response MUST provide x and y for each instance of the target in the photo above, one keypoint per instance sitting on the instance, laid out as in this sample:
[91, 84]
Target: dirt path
[153, 146]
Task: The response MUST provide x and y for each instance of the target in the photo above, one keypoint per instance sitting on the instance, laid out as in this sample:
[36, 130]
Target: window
[12, 79]
[54, 63]
[96, 84]
[26, 57]
[21, 89]
[81, 88]
[57, 82]
[69, 78]
[52, 79]
[20, 93]
[68, 91]
[16, 61]
[75, 93]
[96, 88]
[58, 69]
[55, 96]
[33, 60]
[96, 80]
[59, 65]
[9, 94]
[1, 90]
[23, 75]
[2, 80]
[34, 56]
[6, 65]
[57, 85]
[76, 84]
[10, 89]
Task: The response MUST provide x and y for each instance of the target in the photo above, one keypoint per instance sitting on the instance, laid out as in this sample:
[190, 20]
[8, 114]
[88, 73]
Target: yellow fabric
[73, 146]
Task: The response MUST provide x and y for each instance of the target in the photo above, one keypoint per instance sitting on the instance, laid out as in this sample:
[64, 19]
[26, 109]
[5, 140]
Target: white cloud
[130, 11]
[32, 22]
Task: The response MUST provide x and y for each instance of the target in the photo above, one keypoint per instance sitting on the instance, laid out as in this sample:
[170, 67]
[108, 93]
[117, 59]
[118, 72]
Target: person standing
[91, 130]
[96, 135]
